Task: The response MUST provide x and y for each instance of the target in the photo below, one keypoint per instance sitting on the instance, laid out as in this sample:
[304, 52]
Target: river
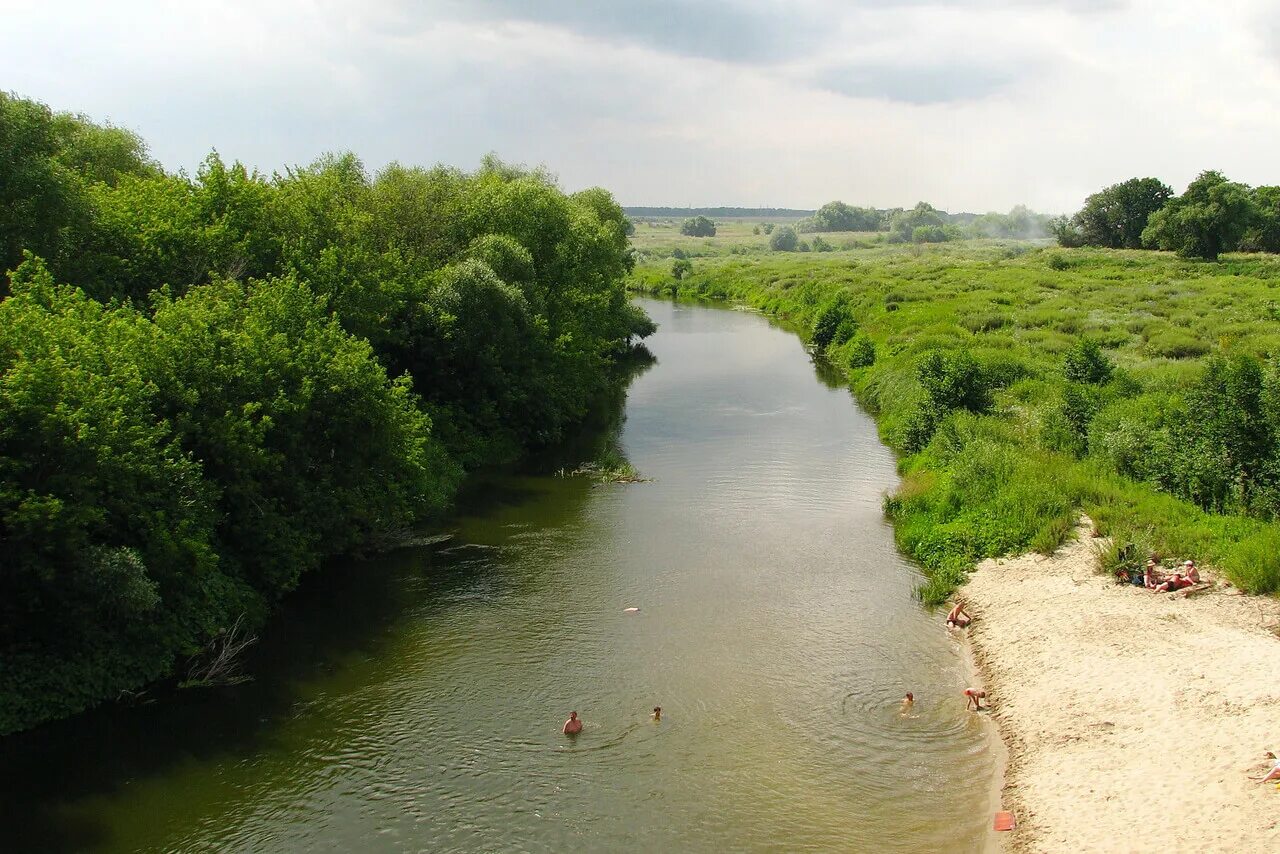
[415, 702]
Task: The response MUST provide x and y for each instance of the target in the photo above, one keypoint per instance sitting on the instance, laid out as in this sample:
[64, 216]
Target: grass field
[1014, 472]
[656, 239]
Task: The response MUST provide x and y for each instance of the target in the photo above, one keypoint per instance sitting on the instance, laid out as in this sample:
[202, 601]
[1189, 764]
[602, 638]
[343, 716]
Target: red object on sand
[1004, 821]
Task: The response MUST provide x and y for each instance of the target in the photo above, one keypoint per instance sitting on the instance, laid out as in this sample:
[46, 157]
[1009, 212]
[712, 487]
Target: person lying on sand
[974, 697]
[1186, 578]
[1274, 773]
[958, 617]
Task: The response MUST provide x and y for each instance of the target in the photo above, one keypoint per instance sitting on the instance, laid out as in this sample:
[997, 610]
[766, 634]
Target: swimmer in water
[573, 726]
[657, 713]
[908, 701]
[974, 697]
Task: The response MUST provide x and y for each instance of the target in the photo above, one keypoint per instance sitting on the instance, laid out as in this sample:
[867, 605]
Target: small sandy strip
[1133, 719]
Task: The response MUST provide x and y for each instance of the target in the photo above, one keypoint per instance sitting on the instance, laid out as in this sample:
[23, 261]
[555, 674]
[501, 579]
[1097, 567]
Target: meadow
[1022, 383]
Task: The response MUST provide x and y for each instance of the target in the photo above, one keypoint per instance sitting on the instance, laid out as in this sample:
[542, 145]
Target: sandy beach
[1133, 720]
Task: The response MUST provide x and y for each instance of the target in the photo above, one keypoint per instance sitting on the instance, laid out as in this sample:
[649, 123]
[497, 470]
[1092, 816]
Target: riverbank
[1133, 720]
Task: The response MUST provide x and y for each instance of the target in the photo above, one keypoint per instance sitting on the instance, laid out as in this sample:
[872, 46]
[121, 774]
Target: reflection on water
[415, 702]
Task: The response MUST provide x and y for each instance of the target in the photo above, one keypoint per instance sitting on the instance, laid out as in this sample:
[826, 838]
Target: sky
[970, 105]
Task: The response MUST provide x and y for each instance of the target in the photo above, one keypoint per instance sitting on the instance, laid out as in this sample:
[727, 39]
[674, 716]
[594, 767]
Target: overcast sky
[971, 105]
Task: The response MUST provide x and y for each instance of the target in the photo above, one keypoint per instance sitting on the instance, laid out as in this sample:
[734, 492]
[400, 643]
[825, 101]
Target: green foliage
[784, 239]
[833, 325]
[254, 374]
[922, 224]
[1117, 215]
[698, 226]
[1205, 221]
[1086, 363]
[767, 228]
[680, 267]
[1254, 563]
[838, 216]
[1171, 451]
[1263, 233]
[862, 352]
[1020, 223]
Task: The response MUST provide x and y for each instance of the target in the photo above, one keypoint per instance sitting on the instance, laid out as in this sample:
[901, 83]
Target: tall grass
[1000, 481]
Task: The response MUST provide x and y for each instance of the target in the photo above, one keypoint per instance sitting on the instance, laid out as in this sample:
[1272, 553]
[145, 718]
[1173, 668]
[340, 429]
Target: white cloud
[973, 105]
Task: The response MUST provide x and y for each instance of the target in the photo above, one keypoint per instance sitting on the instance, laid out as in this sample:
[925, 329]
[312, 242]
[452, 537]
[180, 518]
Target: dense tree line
[1214, 215]
[211, 383]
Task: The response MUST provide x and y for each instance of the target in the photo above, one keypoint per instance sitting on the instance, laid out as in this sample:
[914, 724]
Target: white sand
[1133, 719]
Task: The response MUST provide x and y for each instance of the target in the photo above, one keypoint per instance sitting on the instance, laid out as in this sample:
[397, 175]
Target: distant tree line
[920, 224]
[1214, 215]
[210, 383]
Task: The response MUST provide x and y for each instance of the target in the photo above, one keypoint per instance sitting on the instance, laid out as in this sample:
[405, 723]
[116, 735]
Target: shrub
[862, 352]
[1254, 563]
[1176, 344]
[833, 325]
[1086, 363]
[784, 240]
[680, 268]
[698, 226]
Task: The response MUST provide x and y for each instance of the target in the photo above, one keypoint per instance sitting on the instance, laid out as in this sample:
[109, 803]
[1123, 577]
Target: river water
[414, 703]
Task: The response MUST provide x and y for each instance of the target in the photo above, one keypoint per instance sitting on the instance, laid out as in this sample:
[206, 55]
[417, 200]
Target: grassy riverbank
[970, 356]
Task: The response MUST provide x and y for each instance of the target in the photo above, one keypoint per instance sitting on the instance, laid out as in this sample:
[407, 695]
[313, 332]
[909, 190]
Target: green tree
[921, 224]
[698, 226]
[838, 216]
[1205, 221]
[1117, 215]
[1263, 235]
[784, 239]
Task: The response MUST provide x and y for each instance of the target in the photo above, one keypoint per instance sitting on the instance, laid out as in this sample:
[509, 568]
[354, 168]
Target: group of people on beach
[1154, 578]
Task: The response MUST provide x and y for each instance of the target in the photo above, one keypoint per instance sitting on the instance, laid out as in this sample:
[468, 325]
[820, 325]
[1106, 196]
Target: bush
[680, 268]
[784, 240]
[862, 352]
[1254, 563]
[698, 226]
[1086, 363]
[1176, 344]
[833, 325]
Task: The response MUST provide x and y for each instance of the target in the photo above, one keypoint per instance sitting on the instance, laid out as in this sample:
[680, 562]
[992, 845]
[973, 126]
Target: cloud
[915, 84]
[974, 105]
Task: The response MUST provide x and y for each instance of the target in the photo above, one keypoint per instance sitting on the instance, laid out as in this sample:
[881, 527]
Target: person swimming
[573, 726]
[657, 713]
[908, 701]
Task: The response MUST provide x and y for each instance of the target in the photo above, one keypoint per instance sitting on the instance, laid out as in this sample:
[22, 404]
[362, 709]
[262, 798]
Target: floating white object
[630, 610]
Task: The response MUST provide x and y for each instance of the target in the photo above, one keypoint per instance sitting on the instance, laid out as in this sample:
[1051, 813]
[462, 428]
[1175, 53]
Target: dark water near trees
[415, 702]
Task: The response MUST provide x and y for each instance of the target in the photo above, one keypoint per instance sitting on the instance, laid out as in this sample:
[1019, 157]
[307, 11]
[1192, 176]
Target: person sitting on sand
[1152, 577]
[1274, 773]
[1188, 577]
[958, 618]
[573, 726]
[974, 697]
